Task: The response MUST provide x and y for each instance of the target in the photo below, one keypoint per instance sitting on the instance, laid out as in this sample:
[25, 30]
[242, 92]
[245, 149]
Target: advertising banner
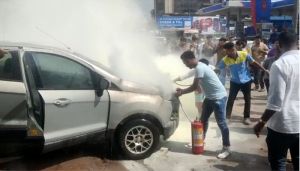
[208, 25]
[263, 11]
[260, 11]
[181, 22]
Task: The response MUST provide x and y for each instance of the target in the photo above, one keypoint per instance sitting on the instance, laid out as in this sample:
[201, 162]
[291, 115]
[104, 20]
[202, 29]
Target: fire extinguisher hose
[184, 111]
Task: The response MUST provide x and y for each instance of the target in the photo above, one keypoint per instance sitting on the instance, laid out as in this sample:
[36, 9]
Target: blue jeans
[278, 145]
[218, 107]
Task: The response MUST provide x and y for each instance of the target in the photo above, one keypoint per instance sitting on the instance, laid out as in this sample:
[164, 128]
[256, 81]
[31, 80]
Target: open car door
[18, 123]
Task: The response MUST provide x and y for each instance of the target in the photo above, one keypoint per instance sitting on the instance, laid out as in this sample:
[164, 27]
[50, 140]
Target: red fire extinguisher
[197, 137]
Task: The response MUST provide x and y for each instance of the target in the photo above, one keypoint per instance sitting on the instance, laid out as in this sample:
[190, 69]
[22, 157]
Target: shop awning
[243, 3]
[213, 8]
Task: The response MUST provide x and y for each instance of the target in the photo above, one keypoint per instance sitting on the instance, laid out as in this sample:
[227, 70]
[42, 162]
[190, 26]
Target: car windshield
[100, 65]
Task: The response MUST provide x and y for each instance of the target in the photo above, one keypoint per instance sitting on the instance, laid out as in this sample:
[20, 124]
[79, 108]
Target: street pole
[296, 17]
[189, 7]
[155, 10]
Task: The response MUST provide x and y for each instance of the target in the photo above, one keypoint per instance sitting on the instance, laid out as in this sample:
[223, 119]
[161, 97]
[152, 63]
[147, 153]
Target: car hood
[138, 88]
[130, 86]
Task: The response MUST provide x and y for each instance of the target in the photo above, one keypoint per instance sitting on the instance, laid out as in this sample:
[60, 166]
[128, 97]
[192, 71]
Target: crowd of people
[275, 67]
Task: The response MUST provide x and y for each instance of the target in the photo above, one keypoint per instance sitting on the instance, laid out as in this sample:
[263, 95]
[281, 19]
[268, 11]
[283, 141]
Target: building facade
[237, 12]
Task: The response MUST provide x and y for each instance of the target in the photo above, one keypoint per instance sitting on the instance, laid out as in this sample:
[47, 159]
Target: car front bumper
[170, 127]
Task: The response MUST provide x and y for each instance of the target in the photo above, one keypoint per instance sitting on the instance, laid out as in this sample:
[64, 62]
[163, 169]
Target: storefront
[238, 13]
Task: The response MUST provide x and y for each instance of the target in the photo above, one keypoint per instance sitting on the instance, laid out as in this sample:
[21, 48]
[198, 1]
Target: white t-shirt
[192, 73]
[284, 93]
[210, 83]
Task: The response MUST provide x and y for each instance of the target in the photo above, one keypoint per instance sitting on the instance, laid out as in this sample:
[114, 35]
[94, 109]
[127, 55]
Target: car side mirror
[102, 85]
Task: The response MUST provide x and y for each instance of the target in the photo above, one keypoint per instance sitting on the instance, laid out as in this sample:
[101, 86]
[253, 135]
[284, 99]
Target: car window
[97, 63]
[59, 73]
[10, 67]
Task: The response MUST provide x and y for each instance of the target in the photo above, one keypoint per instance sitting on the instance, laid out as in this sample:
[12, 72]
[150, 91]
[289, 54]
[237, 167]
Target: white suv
[52, 98]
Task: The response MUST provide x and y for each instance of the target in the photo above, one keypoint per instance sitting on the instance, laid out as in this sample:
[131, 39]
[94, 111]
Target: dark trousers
[278, 145]
[233, 91]
[258, 78]
[267, 83]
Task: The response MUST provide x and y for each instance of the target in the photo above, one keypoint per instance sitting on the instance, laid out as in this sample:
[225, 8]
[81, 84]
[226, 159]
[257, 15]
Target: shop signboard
[180, 22]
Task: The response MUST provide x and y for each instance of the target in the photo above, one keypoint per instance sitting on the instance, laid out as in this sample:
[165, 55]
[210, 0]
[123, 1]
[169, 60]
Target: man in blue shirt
[237, 62]
[215, 97]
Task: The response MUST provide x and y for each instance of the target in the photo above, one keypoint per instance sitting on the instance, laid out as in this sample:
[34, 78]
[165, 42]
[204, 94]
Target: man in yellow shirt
[237, 62]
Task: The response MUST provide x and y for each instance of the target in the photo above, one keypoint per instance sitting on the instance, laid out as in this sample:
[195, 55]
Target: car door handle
[62, 102]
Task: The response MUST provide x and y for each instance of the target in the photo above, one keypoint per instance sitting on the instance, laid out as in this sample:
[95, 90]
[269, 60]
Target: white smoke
[113, 32]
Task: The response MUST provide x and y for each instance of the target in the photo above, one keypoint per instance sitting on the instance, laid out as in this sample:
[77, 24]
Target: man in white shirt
[282, 113]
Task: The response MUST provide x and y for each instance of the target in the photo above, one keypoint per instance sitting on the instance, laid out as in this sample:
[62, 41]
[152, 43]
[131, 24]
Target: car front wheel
[138, 139]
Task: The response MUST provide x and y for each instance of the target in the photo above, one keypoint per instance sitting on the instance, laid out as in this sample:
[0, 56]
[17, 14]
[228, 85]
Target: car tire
[138, 139]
